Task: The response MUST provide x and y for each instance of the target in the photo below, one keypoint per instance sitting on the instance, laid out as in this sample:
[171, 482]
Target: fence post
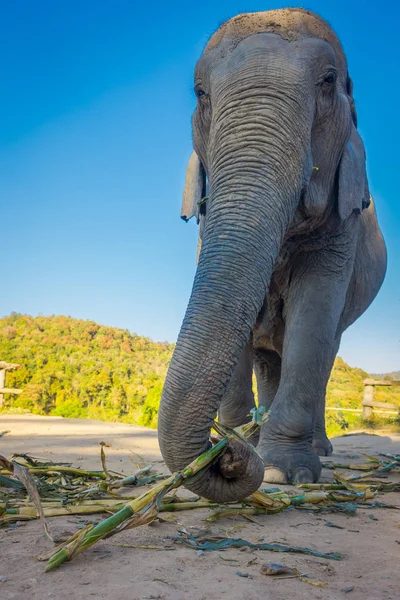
[368, 401]
[2, 385]
[4, 366]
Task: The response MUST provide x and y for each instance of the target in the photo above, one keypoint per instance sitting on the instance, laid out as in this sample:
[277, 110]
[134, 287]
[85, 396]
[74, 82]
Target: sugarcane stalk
[103, 460]
[365, 467]
[267, 503]
[390, 467]
[131, 479]
[330, 486]
[144, 508]
[359, 476]
[270, 502]
[28, 513]
[372, 466]
[57, 470]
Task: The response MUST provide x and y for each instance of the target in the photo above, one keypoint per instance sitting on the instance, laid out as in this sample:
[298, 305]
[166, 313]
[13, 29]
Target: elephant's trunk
[255, 187]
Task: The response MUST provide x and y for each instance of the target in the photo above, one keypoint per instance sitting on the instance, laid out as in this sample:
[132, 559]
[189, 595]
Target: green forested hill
[75, 368]
[392, 376]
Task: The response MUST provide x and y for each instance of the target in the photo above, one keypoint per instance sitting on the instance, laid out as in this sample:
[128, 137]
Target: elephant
[291, 251]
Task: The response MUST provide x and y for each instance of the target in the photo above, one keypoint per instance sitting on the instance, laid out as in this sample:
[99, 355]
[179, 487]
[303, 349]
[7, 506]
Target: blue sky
[94, 137]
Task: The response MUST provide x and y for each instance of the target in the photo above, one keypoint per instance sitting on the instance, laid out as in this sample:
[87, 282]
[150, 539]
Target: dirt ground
[370, 540]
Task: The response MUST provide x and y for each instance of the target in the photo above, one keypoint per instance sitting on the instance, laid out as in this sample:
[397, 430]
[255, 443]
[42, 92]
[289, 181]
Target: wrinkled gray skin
[291, 254]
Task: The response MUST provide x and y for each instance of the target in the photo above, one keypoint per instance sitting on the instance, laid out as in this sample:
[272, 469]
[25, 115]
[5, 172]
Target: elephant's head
[275, 133]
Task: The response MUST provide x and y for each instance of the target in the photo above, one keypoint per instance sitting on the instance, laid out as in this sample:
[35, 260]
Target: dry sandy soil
[371, 547]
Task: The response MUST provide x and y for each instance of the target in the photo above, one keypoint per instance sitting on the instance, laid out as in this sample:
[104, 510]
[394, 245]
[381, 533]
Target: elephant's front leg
[321, 443]
[313, 307]
[238, 400]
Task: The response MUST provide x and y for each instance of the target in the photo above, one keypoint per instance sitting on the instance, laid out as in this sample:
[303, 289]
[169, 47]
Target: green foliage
[69, 407]
[79, 369]
[345, 387]
[74, 368]
[345, 390]
[150, 407]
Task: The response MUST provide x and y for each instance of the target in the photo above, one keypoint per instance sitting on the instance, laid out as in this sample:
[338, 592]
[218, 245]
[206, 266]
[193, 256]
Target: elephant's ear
[194, 188]
[353, 192]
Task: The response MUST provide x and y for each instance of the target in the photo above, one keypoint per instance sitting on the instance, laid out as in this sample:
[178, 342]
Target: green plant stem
[147, 504]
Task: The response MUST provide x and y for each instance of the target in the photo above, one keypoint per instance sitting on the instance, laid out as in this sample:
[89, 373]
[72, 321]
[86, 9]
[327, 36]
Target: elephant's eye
[330, 78]
[199, 92]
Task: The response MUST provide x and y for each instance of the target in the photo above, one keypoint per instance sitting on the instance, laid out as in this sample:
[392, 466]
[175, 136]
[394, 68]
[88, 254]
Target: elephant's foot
[291, 463]
[322, 445]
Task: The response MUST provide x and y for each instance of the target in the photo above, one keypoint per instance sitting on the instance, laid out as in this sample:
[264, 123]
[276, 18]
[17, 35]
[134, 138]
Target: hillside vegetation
[75, 368]
[392, 376]
[345, 390]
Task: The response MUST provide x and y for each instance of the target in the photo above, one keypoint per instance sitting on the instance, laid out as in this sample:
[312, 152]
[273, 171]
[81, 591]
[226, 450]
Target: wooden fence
[4, 366]
[369, 405]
